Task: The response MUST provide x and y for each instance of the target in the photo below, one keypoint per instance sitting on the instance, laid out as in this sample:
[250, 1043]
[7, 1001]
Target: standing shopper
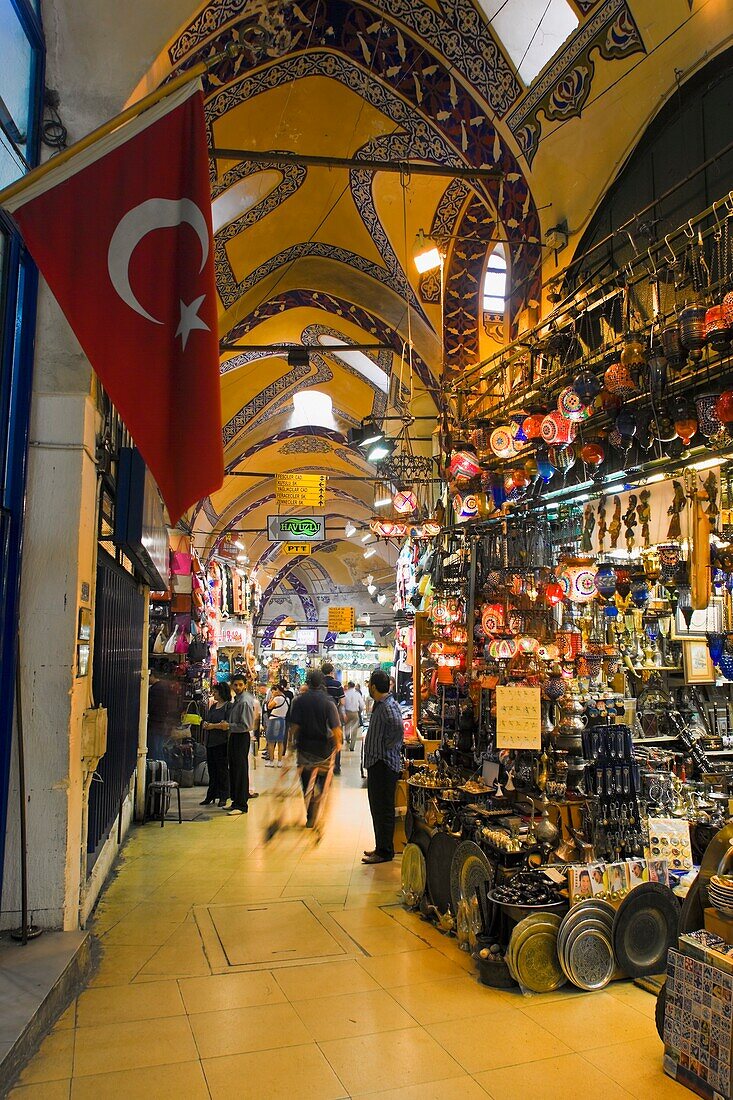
[240, 725]
[383, 763]
[353, 705]
[315, 732]
[216, 746]
[277, 707]
[336, 691]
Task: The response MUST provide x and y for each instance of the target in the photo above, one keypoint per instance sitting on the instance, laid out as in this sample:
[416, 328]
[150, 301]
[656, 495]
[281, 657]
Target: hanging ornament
[501, 442]
[404, 502]
[592, 454]
[562, 458]
[724, 407]
[554, 593]
[571, 407]
[532, 426]
[587, 386]
[556, 429]
[686, 427]
[463, 466]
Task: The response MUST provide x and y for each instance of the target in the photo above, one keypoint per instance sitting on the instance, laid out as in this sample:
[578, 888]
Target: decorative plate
[438, 863]
[469, 866]
[536, 961]
[413, 874]
[645, 927]
[589, 961]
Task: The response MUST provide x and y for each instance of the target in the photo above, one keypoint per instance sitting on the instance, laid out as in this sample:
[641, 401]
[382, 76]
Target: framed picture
[82, 659]
[85, 624]
[697, 663]
[709, 621]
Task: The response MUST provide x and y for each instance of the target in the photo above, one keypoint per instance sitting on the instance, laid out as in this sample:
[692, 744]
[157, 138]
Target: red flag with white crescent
[122, 234]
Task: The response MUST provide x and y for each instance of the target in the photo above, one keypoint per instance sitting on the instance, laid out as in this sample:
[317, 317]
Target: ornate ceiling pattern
[314, 254]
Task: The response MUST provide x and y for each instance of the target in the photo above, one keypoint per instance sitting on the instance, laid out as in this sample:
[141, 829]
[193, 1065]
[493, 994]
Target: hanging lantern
[685, 428]
[562, 458]
[431, 528]
[587, 386]
[545, 469]
[532, 426]
[592, 454]
[492, 618]
[577, 579]
[503, 649]
[466, 507]
[501, 442]
[464, 466]
[554, 593]
[404, 502]
[556, 429]
[527, 644]
[571, 407]
[387, 529]
[605, 580]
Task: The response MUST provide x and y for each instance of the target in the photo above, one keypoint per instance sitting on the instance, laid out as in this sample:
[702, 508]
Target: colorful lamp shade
[387, 529]
[404, 502]
[464, 466]
[503, 649]
[577, 579]
[501, 442]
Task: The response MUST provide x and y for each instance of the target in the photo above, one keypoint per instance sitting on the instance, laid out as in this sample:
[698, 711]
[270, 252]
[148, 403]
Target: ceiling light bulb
[380, 450]
[370, 552]
[426, 254]
[371, 589]
[349, 529]
[382, 502]
[381, 599]
[239, 545]
[366, 537]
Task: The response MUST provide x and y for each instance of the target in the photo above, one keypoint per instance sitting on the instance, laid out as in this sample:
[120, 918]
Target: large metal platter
[715, 852]
[413, 874]
[439, 858]
[565, 935]
[536, 962]
[470, 865]
[588, 959]
[594, 909]
[547, 922]
[646, 926]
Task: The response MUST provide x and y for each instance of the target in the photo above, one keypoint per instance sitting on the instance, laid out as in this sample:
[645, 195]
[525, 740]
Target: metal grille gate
[118, 644]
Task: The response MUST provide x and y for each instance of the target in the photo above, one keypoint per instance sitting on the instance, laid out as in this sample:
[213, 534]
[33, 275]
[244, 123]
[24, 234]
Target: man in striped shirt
[383, 763]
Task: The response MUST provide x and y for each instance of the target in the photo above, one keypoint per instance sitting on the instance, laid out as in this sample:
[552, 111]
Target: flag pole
[114, 123]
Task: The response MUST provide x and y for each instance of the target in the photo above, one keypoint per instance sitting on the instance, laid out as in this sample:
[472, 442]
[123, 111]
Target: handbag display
[181, 582]
[182, 643]
[180, 562]
[170, 645]
[160, 640]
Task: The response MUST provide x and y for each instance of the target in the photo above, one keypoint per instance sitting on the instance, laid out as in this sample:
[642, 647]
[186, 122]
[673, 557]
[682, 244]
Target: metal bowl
[519, 912]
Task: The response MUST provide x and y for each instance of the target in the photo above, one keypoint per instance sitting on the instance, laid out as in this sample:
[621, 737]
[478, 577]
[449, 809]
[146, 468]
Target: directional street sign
[296, 528]
[293, 549]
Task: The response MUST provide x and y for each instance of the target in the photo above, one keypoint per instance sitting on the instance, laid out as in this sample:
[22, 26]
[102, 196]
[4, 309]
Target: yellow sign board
[293, 549]
[341, 619]
[518, 718]
[295, 490]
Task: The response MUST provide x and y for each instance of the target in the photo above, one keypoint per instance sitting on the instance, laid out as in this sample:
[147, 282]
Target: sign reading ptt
[296, 528]
[293, 549]
[341, 619]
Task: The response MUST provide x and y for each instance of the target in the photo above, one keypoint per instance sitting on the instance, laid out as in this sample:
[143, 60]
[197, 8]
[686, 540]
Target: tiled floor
[402, 1019]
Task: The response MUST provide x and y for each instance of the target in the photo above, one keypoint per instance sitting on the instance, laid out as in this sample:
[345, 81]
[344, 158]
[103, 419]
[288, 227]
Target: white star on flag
[190, 320]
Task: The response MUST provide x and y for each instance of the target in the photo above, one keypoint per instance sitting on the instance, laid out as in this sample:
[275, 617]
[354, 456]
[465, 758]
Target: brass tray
[413, 875]
[588, 959]
[536, 963]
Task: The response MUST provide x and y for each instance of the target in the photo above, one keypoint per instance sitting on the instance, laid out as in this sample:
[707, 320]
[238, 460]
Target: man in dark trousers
[336, 690]
[315, 731]
[240, 726]
[383, 763]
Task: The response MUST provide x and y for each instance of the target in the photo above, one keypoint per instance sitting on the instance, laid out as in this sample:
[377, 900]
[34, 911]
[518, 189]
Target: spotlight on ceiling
[370, 552]
[382, 599]
[349, 529]
[426, 254]
[298, 357]
[382, 502]
[366, 537]
[380, 449]
[366, 434]
[371, 589]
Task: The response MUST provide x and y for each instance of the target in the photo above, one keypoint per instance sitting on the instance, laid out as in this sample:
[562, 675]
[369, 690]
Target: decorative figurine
[602, 526]
[630, 522]
[710, 484]
[674, 510]
[614, 526]
[589, 523]
[644, 513]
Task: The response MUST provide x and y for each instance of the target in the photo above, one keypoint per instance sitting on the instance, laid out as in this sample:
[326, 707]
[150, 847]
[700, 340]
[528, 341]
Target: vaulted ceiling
[323, 255]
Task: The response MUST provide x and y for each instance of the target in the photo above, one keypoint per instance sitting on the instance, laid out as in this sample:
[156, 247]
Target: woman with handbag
[277, 706]
[216, 727]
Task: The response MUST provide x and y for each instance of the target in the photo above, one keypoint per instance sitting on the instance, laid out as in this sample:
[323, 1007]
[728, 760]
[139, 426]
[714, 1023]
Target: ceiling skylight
[311, 409]
[242, 196]
[358, 361]
[531, 31]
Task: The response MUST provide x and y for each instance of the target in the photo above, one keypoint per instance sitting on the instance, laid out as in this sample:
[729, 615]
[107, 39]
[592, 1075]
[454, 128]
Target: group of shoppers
[314, 722]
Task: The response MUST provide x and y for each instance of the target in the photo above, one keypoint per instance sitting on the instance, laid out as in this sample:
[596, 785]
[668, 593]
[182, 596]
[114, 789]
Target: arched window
[495, 283]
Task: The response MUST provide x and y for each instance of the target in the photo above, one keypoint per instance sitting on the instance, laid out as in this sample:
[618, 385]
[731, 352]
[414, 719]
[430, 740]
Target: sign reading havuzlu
[296, 528]
[341, 619]
[518, 718]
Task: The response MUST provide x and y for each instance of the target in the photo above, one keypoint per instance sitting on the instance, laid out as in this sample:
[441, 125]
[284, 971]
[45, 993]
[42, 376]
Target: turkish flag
[122, 234]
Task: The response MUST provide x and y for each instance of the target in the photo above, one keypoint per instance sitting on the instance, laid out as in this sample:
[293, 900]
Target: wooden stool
[164, 787]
